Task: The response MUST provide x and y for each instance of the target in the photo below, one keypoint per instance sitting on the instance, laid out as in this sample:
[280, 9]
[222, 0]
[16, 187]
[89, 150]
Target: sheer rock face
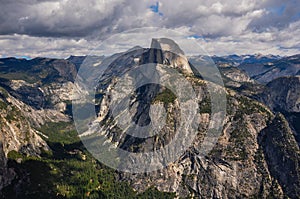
[39, 104]
[235, 74]
[166, 51]
[6, 174]
[17, 132]
[283, 94]
[235, 168]
[283, 162]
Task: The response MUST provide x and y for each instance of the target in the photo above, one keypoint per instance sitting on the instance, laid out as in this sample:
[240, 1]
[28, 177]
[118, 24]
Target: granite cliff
[256, 154]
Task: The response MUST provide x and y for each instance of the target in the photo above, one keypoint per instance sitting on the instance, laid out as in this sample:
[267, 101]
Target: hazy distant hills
[236, 60]
[262, 68]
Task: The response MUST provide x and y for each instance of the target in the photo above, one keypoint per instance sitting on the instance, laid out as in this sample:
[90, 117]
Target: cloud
[38, 27]
[71, 18]
[280, 14]
[29, 46]
[277, 42]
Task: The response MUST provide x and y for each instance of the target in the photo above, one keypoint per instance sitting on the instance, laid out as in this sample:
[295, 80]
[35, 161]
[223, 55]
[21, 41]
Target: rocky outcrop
[234, 77]
[16, 129]
[235, 168]
[282, 155]
[166, 51]
[235, 74]
[6, 174]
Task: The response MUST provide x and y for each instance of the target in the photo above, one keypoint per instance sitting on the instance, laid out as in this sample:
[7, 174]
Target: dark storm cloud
[43, 18]
[73, 18]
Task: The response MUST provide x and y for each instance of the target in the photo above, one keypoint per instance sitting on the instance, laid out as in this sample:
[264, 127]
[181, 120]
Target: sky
[60, 28]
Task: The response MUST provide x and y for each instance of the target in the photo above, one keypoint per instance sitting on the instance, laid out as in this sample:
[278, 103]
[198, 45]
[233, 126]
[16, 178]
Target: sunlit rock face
[166, 51]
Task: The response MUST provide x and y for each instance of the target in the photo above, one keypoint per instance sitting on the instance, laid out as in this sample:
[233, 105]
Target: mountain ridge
[247, 161]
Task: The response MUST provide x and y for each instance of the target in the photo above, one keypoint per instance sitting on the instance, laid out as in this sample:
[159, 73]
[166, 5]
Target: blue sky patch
[155, 8]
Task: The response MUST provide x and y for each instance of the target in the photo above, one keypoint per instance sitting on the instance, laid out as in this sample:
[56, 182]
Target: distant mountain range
[262, 68]
[240, 59]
